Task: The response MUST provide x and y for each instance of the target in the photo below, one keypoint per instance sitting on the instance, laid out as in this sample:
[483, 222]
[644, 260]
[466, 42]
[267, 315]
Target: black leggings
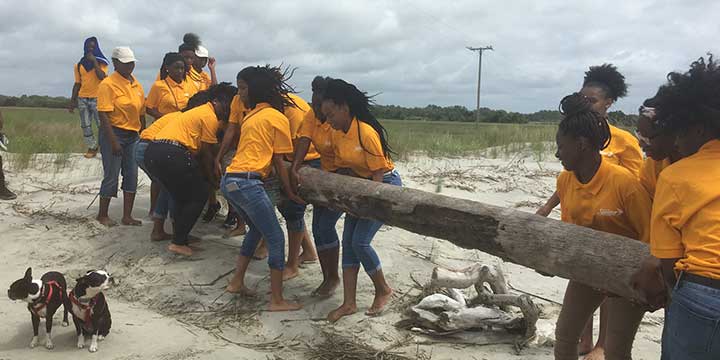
[180, 174]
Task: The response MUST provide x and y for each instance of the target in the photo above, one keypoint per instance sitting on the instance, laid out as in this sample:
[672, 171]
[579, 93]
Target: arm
[107, 129]
[143, 122]
[98, 71]
[204, 157]
[301, 149]
[153, 112]
[231, 132]
[211, 66]
[282, 173]
[668, 271]
[74, 97]
[378, 176]
[551, 203]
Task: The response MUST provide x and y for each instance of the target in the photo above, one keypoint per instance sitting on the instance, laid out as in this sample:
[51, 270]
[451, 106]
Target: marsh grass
[36, 130]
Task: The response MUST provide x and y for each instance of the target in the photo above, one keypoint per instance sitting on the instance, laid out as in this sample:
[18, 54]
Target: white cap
[123, 54]
[202, 52]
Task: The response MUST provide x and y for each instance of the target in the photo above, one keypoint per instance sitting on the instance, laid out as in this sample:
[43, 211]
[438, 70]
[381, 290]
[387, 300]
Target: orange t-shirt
[686, 211]
[360, 150]
[123, 100]
[88, 80]
[296, 116]
[264, 132]
[159, 124]
[237, 111]
[613, 201]
[192, 127]
[649, 173]
[321, 136]
[168, 96]
[624, 150]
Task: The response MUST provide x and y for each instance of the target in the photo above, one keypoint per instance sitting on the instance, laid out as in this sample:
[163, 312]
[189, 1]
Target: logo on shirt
[358, 149]
[608, 212]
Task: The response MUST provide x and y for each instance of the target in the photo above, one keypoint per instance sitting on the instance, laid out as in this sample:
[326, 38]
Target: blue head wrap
[87, 64]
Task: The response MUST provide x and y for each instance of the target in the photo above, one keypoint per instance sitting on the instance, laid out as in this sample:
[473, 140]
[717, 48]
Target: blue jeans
[692, 323]
[249, 196]
[323, 227]
[88, 114]
[358, 233]
[164, 203]
[114, 165]
[294, 213]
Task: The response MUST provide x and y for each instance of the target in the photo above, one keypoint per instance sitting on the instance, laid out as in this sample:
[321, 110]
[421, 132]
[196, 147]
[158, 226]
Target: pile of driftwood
[447, 311]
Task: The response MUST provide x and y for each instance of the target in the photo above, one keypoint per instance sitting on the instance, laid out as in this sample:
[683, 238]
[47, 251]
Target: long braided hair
[580, 120]
[359, 103]
[268, 84]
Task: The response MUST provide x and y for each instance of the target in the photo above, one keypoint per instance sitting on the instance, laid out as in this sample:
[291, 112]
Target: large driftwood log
[601, 260]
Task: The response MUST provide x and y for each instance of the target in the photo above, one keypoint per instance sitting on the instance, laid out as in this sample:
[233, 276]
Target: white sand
[158, 314]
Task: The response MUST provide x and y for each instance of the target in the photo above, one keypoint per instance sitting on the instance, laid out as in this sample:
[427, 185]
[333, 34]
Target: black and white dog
[90, 311]
[44, 298]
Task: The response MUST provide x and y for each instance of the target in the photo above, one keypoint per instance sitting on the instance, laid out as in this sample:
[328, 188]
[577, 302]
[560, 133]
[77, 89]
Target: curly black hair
[190, 42]
[359, 103]
[691, 98]
[609, 79]
[580, 120]
[268, 84]
[223, 92]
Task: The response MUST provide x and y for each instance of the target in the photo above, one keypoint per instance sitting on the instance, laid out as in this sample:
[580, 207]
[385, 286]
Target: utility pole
[480, 54]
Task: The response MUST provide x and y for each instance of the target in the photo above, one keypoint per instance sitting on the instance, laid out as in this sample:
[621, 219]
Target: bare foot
[342, 311]
[326, 289]
[306, 258]
[180, 249]
[284, 306]
[379, 303]
[235, 232]
[584, 348]
[130, 221]
[106, 221]
[290, 273]
[242, 291]
[161, 236]
[598, 353]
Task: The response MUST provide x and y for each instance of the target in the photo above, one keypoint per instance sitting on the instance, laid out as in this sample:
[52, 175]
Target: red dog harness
[86, 309]
[36, 308]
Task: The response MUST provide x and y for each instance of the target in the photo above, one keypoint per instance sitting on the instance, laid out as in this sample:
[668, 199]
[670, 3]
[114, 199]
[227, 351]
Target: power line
[480, 53]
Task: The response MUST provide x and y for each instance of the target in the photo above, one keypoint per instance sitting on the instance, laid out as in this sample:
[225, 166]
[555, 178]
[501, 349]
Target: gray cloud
[411, 52]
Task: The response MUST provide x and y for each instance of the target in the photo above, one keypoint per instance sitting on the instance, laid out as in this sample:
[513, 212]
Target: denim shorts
[692, 323]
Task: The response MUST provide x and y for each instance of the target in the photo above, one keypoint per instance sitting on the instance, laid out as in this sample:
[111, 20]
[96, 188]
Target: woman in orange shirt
[122, 115]
[361, 150]
[172, 92]
[172, 158]
[603, 196]
[316, 130]
[264, 141]
[685, 232]
[604, 85]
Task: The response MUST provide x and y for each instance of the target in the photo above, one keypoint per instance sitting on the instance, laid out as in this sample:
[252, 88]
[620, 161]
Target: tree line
[427, 113]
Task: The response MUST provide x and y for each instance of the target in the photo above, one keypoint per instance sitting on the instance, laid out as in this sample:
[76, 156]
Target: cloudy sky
[411, 51]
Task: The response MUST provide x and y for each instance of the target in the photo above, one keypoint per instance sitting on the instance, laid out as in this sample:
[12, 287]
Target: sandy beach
[166, 307]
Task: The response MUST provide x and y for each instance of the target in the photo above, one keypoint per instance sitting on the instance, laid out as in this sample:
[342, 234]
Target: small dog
[44, 297]
[90, 311]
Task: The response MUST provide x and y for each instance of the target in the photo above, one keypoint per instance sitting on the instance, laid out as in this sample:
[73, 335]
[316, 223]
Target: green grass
[453, 139]
[33, 130]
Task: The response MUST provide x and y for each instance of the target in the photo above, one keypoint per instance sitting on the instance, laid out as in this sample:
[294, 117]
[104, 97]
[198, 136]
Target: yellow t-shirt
[613, 201]
[321, 136]
[196, 125]
[650, 172]
[237, 111]
[88, 80]
[264, 132]
[686, 213]
[624, 150]
[296, 116]
[159, 124]
[363, 159]
[198, 80]
[168, 96]
[124, 100]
